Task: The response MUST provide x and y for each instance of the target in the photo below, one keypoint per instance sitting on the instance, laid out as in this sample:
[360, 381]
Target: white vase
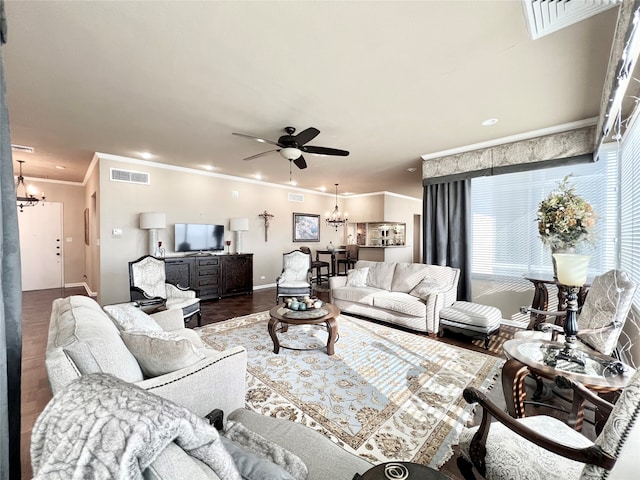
[553, 259]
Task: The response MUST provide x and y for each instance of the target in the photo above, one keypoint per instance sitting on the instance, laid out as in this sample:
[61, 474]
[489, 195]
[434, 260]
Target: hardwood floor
[35, 322]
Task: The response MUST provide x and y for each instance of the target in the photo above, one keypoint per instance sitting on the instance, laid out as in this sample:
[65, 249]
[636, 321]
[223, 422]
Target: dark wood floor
[36, 313]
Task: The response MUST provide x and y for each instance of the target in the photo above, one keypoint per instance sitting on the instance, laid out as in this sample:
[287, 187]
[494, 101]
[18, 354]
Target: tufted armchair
[542, 447]
[147, 283]
[602, 317]
[295, 278]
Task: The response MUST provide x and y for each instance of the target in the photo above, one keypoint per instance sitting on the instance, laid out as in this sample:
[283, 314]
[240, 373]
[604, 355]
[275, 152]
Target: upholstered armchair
[147, 283]
[602, 317]
[295, 278]
[542, 447]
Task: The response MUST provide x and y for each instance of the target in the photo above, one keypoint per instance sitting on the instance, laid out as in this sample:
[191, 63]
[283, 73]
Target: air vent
[296, 197]
[22, 148]
[547, 16]
[129, 176]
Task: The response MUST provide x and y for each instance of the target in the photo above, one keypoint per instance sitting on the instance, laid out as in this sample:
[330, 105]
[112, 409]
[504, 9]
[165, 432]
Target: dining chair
[349, 260]
[318, 265]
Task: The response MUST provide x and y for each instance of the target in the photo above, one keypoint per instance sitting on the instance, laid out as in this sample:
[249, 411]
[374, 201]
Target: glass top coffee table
[283, 317]
[597, 372]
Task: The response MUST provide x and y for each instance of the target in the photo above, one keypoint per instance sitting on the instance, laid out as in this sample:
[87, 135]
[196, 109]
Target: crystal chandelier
[28, 199]
[333, 219]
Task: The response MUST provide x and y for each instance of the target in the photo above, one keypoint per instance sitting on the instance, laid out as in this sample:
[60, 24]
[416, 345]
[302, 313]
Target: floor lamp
[152, 221]
[239, 225]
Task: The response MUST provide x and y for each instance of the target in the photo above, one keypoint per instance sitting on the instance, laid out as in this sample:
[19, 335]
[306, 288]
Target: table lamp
[572, 275]
[239, 225]
[152, 221]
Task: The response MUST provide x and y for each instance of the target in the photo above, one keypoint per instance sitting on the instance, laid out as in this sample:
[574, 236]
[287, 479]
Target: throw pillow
[426, 287]
[83, 359]
[160, 352]
[253, 467]
[357, 277]
[129, 317]
[262, 447]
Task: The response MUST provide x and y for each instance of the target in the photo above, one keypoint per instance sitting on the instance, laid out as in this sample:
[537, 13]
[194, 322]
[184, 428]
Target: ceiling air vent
[129, 176]
[547, 16]
[296, 197]
[21, 148]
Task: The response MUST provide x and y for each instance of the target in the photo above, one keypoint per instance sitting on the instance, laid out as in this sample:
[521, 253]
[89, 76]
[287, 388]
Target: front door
[41, 250]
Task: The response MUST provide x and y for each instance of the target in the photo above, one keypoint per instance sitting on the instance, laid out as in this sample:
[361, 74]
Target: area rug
[385, 395]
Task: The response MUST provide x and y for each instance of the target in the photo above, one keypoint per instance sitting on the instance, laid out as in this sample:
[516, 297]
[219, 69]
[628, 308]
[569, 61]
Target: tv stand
[212, 276]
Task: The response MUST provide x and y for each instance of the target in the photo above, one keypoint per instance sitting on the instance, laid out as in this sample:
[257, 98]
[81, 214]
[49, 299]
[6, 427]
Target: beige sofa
[83, 339]
[406, 294]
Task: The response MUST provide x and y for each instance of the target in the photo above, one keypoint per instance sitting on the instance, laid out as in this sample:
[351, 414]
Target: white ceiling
[388, 81]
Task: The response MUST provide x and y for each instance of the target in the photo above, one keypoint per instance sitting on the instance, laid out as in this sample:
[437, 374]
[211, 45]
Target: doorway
[41, 251]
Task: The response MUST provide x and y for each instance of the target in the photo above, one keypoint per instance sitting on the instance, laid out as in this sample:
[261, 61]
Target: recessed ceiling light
[293, 183]
[322, 189]
[146, 155]
[258, 176]
[208, 167]
[489, 122]
[412, 169]
[60, 167]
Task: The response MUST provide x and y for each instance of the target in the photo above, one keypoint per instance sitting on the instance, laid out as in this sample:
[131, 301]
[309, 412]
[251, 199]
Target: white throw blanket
[102, 427]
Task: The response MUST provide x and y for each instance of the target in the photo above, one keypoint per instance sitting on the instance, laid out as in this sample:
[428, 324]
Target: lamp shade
[153, 220]
[572, 268]
[239, 224]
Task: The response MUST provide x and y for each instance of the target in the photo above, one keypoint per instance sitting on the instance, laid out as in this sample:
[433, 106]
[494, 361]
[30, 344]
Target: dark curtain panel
[11, 295]
[447, 229]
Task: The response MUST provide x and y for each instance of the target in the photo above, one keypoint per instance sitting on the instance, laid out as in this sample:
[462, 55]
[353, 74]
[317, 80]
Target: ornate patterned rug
[385, 394]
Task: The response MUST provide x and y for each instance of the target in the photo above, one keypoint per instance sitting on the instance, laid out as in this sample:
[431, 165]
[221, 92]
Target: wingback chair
[602, 317]
[542, 447]
[147, 281]
[295, 278]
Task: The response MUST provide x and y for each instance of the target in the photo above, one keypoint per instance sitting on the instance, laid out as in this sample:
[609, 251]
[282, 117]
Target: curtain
[447, 229]
[10, 295]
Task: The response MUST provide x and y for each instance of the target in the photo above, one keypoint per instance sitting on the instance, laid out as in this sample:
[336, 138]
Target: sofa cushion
[362, 295]
[357, 277]
[161, 352]
[127, 316]
[380, 273]
[407, 275]
[253, 467]
[80, 320]
[401, 303]
[259, 445]
[427, 286]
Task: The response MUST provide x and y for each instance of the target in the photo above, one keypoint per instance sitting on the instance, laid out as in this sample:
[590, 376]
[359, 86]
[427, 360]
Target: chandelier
[28, 199]
[333, 219]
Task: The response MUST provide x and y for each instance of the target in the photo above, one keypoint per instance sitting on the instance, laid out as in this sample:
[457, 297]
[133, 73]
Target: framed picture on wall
[306, 227]
[86, 226]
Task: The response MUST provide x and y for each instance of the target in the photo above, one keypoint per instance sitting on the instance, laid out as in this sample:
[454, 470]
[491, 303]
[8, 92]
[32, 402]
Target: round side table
[401, 471]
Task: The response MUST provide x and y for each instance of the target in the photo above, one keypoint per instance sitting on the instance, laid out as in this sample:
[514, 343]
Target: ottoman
[471, 319]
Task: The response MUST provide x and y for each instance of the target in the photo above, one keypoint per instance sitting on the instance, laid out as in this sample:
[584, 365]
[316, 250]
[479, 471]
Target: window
[505, 234]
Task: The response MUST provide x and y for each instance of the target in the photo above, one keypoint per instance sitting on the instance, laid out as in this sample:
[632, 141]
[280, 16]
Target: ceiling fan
[292, 146]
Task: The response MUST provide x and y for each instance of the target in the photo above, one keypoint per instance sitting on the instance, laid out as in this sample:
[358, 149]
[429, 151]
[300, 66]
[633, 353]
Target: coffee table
[535, 357]
[401, 471]
[279, 317]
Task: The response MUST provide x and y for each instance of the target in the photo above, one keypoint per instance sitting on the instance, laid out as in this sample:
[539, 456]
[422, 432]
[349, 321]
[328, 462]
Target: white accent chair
[542, 447]
[147, 283]
[603, 314]
[295, 278]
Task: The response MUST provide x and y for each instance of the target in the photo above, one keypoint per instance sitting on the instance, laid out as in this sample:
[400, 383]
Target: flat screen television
[198, 237]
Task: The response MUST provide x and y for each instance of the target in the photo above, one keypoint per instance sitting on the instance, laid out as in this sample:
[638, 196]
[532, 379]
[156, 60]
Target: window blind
[505, 232]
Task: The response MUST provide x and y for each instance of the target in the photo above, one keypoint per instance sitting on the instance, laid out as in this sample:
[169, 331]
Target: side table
[536, 357]
[541, 298]
[401, 471]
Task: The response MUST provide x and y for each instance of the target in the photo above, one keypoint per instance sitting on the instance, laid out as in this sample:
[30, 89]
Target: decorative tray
[306, 314]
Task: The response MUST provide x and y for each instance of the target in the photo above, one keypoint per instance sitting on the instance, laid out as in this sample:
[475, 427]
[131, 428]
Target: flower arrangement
[564, 218]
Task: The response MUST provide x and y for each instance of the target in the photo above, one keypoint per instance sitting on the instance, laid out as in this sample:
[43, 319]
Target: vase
[553, 260]
[330, 247]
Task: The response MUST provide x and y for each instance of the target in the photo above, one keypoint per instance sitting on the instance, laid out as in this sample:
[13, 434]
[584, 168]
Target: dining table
[334, 254]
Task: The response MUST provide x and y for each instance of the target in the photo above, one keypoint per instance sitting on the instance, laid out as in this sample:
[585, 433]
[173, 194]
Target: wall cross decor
[266, 217]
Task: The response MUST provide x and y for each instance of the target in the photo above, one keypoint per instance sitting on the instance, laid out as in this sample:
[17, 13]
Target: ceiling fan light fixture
[290, 153]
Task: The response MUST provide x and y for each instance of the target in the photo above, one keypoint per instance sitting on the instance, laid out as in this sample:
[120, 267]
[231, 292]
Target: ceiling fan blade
[300, 162]
[324, 151]
[257, 139]
[261, 154]
[306, 135]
